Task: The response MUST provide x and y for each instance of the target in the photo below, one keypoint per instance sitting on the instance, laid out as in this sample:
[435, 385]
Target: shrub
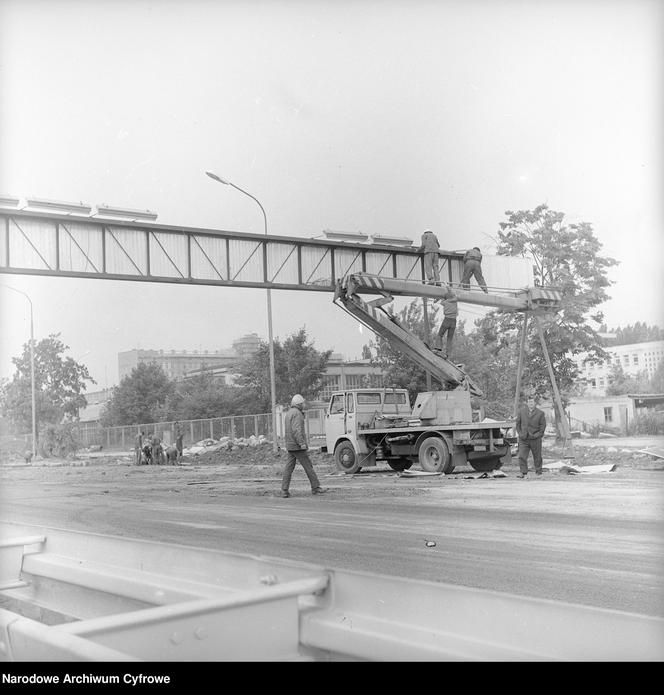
[59, 441]
[650, 422]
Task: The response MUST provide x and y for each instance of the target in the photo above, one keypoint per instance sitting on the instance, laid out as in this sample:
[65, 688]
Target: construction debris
[416, 474]
[657, 453]
[570, 469]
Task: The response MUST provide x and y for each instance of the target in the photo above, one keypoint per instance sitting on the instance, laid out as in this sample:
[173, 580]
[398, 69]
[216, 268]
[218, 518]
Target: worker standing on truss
[431, 250]
[472, 266]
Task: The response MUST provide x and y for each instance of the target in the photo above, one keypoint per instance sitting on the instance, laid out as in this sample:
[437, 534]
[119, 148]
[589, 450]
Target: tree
[205, 396]
[298, 368]
[637, 333]
[567, 256]
[657, 379]
[140, 397]
[621, 383]
[59, 385]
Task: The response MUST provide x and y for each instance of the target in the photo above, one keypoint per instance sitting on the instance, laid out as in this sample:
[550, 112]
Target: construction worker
[179, 437]
[296, 444]
[448, 324]
[147, 450]
[530, 426]
[472, 266]
[172, 455]
[157, 450]
[138, 447]
[430, 248]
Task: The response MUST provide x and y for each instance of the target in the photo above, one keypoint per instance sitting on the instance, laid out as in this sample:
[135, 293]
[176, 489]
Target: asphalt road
[596, 540]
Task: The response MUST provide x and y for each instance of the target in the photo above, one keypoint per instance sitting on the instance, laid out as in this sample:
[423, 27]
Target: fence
[235, 426]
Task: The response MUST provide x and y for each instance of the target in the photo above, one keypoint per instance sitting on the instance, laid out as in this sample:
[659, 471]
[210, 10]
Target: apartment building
[634, 359]
[178, 363]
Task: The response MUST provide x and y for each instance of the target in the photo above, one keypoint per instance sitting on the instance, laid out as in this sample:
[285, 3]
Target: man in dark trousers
[179, 436]
[138, 448]
[530, 426]
[430, 248]
[448, 325]
[296, 444]
[472, 266]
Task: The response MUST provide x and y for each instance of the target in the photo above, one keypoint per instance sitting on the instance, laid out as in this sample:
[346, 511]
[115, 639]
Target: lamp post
[32, 371]
[273, 396]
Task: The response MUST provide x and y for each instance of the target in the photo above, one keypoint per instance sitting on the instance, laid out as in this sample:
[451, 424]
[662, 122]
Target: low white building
[604, 412]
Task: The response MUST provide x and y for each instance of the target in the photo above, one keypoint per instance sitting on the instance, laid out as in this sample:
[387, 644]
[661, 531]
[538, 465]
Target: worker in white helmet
[296, 444]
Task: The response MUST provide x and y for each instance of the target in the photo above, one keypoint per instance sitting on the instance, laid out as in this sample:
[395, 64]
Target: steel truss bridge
[37, 243]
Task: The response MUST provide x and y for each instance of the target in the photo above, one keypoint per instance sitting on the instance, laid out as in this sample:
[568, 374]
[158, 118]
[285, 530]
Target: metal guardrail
[111, 599]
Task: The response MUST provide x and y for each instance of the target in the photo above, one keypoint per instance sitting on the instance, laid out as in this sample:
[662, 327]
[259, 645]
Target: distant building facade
[179, 364]
[97, 401]
[634, 359]
[342, 374]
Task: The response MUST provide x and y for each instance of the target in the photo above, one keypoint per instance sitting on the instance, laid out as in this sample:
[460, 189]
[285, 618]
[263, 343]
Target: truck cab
[351, 412]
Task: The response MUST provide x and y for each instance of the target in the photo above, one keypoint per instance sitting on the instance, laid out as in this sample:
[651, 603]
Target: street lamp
[32, 370]
[273, 396]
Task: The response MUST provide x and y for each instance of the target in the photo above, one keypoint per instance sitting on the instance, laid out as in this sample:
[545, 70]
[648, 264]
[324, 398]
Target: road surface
[596, 540]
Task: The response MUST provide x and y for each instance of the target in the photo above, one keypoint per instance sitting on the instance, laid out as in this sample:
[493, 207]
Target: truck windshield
[368, 398]
[395, 398]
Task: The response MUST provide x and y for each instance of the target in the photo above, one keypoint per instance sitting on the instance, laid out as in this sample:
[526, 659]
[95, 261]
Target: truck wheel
[506, 455]
[345, 458]
[402, 464]
[485, 465]
[434, 456]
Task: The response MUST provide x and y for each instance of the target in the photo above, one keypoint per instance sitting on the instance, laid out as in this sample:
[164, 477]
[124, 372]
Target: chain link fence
[122, 438]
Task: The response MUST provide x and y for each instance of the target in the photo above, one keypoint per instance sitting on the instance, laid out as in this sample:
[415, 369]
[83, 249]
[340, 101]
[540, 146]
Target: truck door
[350, 424]
[335, 420]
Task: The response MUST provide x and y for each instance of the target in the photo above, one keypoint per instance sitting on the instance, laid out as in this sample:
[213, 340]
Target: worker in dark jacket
[296, 444]
[448, 325]
[431, 250]
[530, 426]
[472, 266]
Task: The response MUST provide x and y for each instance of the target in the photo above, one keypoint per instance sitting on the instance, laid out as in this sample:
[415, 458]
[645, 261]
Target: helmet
[297, 399]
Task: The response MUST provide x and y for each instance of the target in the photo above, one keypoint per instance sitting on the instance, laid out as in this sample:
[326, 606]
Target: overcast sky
[380, 117]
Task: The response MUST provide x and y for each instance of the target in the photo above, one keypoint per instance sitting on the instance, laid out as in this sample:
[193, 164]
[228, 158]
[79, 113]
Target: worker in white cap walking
[296, 444]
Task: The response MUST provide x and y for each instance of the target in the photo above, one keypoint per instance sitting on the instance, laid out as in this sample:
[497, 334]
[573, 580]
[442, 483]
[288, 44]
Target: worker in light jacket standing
[472, 266]
[448, 325]
[530, 426]
[296, 444]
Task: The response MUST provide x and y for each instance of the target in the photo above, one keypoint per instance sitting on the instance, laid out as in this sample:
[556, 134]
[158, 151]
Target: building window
[608, 415]
[626, 360]
[635, 359]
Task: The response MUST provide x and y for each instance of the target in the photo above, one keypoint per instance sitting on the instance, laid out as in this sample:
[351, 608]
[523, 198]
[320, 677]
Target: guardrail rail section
[70, 596]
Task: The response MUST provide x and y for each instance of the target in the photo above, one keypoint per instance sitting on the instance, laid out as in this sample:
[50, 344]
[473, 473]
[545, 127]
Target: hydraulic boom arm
[527, 299]
[374, 317]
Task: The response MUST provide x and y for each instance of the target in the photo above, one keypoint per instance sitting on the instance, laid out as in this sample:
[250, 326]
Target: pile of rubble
[207, 446]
